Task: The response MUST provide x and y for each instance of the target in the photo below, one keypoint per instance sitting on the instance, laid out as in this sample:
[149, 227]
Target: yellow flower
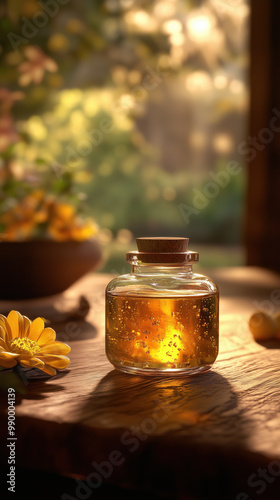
[30, 344]
[61, 219]
[22, 218]
[65, 224]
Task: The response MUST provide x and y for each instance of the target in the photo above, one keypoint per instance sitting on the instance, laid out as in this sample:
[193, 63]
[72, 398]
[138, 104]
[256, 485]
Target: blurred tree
[83, 77]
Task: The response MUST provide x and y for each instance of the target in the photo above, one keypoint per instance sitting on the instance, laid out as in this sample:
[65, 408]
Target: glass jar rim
[137, 258]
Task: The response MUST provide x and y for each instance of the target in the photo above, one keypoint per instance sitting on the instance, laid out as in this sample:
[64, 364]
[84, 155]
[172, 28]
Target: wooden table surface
[215, 435]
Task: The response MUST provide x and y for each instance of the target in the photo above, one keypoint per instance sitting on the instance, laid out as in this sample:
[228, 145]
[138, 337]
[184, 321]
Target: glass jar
[162, 319]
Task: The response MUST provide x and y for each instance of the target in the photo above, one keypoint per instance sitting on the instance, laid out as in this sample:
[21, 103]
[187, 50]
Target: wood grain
[200, 436]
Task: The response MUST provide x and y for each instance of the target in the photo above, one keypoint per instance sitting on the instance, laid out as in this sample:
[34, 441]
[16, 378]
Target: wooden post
[262, 220]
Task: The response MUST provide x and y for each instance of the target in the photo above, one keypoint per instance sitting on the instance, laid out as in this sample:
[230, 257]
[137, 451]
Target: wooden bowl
[40, 268]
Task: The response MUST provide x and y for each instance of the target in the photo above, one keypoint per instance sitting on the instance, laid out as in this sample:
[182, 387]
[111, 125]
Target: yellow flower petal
[55, 361]
[47, 336]
[3, 321]
[9, 336]
[20, 324]
[3, 333]
[64, 211]
[8, 354]
[8, 359]
[32, 362]
[55, 348]
[3, 343]
[36, 328]
[8, 362]
[15, 322]
[49, 369]
[27, 324]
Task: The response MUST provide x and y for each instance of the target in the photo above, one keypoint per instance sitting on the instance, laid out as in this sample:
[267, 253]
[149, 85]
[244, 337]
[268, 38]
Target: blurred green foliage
[85, 85]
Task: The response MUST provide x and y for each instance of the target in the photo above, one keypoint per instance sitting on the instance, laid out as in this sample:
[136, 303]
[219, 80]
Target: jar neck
[162, 269]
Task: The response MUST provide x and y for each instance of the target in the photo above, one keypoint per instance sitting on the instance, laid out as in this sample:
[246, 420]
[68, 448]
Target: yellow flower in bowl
[30, 344]
[21, 219]
[65, 224]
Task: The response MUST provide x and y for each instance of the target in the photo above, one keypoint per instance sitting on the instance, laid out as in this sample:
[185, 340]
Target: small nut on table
[263, 326]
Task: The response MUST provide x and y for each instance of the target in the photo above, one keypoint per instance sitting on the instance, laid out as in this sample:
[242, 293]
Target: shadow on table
[188, 434]
[32, 386]
[74, 330]
[67, 317]
[204, 406]
[269, 344]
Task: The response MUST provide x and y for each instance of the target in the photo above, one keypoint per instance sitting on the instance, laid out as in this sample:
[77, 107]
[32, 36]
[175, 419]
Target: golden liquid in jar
[159, 333]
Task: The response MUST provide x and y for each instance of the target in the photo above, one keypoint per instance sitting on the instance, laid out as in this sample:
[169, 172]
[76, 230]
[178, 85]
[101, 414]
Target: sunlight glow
[36, 128]
[199, 26]
[199, 81]
[177, 39]
[237, 86]
[220, 81]
[172, 26]
[223, 143]
[164, 9]
[124, 236]
[141, 20]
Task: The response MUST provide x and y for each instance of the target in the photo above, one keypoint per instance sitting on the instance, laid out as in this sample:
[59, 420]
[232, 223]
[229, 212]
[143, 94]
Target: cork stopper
[162, 250]
[162, 245]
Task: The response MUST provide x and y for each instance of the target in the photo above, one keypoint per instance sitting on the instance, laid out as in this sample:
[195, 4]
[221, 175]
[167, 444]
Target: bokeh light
[200, 26]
